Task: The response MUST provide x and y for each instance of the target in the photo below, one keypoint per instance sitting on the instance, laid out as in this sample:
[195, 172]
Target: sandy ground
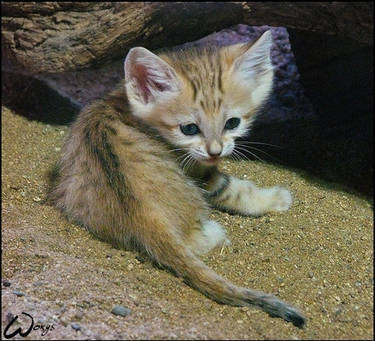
[317, 256]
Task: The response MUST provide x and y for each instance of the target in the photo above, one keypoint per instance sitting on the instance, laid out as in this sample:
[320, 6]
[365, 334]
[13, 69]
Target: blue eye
[232, 123]
[190, 129]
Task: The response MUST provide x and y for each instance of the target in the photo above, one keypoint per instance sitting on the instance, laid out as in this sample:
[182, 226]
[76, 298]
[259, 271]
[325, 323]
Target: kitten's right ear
[148, 80]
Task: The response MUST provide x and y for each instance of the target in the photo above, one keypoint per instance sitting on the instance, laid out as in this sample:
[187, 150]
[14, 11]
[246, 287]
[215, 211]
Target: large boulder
[67, 36]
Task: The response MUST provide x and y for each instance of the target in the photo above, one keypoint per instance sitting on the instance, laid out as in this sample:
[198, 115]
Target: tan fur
[120, 174]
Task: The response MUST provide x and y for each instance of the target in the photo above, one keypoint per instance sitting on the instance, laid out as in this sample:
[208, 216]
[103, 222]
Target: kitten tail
[176, 256]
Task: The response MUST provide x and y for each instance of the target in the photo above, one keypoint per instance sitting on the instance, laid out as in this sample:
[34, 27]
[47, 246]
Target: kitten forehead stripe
[219, 75]
[194, 90]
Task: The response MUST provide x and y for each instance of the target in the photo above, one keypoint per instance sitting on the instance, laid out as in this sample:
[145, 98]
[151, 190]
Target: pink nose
[214, 149]
[213, 154]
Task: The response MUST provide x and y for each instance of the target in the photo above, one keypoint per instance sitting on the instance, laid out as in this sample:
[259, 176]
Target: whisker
[243, 155]
[247, 149]
[187, 163]
[260, 150]
[233, 156]
[259, 158]
[240, 155]
[183, 155]
[253, 142]
[186, 157]
[191, 164]
[193, 160]
[171, 151]
[179, 149]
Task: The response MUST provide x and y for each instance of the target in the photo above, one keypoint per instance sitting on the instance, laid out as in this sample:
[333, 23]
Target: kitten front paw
[281, 199]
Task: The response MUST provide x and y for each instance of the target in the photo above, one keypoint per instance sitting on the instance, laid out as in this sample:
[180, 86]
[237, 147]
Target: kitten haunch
[139, 167]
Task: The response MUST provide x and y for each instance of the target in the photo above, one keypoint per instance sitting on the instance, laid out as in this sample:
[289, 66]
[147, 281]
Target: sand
[317, 256]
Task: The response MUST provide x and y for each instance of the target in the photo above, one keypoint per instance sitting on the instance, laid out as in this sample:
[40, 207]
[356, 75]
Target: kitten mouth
[211, 161]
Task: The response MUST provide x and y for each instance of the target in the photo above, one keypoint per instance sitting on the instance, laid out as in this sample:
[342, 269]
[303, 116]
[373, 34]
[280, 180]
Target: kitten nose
[214, 149]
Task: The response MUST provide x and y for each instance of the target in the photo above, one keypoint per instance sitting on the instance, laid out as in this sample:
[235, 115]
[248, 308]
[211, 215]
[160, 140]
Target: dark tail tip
[275, 307]
[295, 317]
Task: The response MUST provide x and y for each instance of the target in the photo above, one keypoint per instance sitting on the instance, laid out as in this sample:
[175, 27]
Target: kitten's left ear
[255, 59]
[148, 80]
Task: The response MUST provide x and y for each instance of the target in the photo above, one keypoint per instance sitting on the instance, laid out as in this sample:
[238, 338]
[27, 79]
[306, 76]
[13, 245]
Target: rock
[6, 283]
[121, 311]
[18, 293]
[38, 283]
[57, 37]
[9, 316]
[78, 316]
[76, 326]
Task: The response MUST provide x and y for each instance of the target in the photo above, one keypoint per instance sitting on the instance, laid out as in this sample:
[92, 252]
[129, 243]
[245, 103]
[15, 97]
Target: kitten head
[200, 100]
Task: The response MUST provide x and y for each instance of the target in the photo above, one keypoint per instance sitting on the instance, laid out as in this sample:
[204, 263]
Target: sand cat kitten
[120, 173]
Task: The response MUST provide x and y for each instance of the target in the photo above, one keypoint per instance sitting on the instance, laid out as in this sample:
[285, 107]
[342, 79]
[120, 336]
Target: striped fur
[122, 173]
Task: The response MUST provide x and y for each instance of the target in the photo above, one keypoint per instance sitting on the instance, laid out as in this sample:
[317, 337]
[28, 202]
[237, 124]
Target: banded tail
[176, 256]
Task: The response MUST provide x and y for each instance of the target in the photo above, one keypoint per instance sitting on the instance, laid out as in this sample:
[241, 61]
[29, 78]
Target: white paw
[211, 235]
[281, 199]
[214, 234]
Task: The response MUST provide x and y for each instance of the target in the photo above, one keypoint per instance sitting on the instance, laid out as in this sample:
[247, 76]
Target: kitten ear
[148, 78]
[255, 61]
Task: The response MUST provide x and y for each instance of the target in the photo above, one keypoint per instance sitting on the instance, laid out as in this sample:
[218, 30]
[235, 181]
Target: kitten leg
[244, 197]
[210, 236]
